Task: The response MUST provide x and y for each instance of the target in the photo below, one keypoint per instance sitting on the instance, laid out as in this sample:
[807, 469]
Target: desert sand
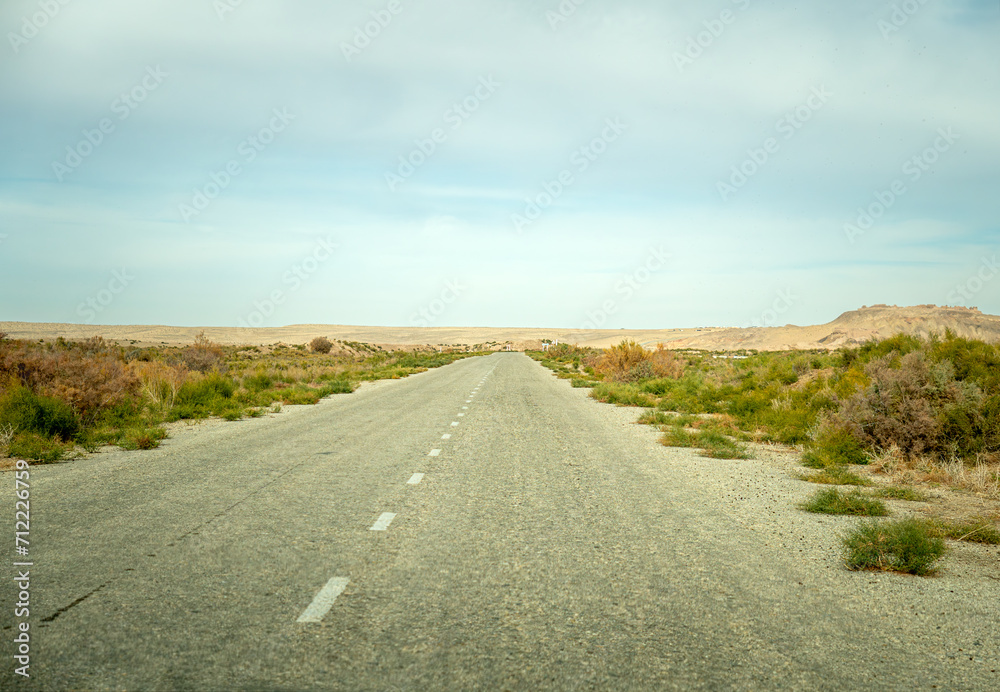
[849, 329]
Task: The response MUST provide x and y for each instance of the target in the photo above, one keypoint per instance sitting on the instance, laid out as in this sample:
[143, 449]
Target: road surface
[546, 545]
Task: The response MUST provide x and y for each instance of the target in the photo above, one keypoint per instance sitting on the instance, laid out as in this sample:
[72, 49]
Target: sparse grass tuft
[897, 493]
[654, 417]
[975, 531]
[679, 437]
[855, 503]
[835, 476]
[142, 438]
[713, 444]
[719, 446]
[622, 395]
[910, 546]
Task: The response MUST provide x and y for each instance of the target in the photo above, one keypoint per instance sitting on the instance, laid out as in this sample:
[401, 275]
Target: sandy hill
[853, 328]
[849, 329]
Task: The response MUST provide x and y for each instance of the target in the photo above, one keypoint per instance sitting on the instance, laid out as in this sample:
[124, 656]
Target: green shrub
[204, 397]
[910, 546]
[46, 416]
[338, 387]
[832, 501]
[258, 382]
[34, 447]
[300, 397]
[894, 346]
[142, 438]
[118, 416]
[206, 391]
[834, 446]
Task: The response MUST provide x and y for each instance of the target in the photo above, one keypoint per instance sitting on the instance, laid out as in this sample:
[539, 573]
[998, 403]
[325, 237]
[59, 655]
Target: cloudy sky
[617, 163]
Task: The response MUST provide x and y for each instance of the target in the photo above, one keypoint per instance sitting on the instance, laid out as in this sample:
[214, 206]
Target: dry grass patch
[981, 476]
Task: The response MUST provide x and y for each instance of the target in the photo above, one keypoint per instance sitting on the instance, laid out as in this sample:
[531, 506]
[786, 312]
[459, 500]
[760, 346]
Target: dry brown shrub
[321, 345]
[203, 355]
[666, 363]
[626, 362]
[89, 376]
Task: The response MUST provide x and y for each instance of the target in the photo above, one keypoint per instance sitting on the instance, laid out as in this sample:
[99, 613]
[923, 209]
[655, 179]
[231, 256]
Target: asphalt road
[546, 546]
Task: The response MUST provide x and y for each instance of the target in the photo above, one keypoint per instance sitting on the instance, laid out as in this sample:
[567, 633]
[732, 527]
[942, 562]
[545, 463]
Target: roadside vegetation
[890, 417]
[907, 545]
[62, 397]
[855, 503]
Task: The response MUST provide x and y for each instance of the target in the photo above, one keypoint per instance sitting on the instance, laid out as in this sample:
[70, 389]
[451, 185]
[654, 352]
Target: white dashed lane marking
[454, 424]
[434, 453]
[383, 522]
[446, 436]
[321, 605]
[415, 479]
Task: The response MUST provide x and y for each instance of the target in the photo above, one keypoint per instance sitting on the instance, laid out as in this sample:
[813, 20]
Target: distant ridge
[855, 327]
[849, 329]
